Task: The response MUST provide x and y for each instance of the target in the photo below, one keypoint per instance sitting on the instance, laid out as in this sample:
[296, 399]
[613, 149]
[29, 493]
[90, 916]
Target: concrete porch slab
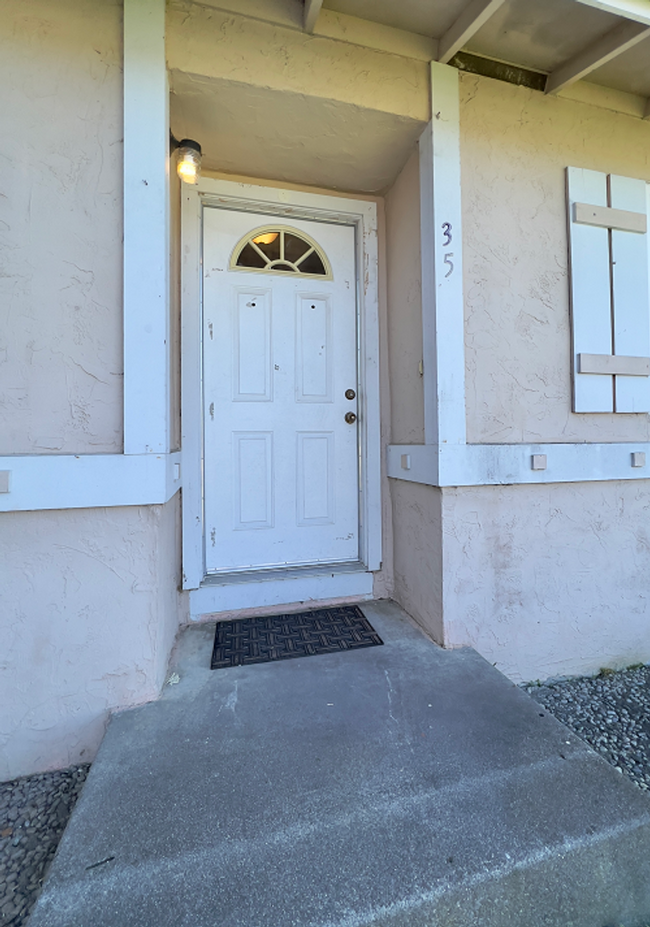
[396, 785]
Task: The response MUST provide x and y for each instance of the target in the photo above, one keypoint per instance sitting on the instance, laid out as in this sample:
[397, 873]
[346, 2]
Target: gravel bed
[611, 712]
[34, 811]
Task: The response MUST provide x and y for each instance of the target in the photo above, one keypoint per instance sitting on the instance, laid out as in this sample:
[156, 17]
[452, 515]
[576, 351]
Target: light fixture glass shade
[188, 165]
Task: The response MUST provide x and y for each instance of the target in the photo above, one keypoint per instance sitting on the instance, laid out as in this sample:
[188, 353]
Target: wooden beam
[468, 23]
[624, 36]
[312, 9]
[639, 10]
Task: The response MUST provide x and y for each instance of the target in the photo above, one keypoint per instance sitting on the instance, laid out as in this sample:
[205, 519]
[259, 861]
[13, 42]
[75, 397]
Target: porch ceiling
[542, 35]
[291, 137]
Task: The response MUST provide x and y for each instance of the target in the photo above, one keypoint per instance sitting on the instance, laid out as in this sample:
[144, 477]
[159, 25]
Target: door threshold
[282, 573]
[261, 589]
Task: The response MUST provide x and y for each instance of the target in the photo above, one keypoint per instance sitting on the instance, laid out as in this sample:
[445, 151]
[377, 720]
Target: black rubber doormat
[283, 637]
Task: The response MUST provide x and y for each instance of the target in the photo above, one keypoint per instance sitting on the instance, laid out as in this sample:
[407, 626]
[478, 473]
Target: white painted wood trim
[146, 230]
[638, 10]
[609, 218]
[310, 15]
[621, 38]
[193, 533]
[505, 464]
[263, 592]
[475, 15]
[614, 364]
[442, 264]
[253, 198]
[39, 482]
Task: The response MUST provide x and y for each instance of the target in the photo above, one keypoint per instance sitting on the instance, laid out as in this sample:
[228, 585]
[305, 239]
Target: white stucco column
[442, 264]
[146, 229]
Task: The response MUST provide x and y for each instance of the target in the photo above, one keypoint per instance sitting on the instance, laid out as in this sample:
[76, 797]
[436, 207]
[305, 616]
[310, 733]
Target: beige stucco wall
[90, 610]
[270, 101]
[548, 581]
[515, 146]
[415, 508]
[404, 292]
[61, 227]
[418, 554]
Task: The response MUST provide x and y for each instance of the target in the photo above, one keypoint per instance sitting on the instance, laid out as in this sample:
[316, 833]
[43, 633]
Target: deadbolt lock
[350, 418]
[350, 394]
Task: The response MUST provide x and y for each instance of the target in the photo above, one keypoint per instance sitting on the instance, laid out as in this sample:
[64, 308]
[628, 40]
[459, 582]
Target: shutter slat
[631, 310]
[590, 292]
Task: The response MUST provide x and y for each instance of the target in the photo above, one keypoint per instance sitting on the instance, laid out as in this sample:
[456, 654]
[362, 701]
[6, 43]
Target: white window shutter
[631, 310]
[610, 303]
[591, 310]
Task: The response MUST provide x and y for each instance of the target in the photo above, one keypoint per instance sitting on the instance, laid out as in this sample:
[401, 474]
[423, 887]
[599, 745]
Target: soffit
[419, 16]
[539, 35]
[275, 135]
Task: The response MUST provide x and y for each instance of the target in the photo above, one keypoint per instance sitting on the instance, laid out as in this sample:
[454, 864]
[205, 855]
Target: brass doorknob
[350, 394]
[350, 418]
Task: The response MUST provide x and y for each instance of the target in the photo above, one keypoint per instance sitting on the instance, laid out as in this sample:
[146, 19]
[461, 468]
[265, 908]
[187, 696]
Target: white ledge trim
[505, 464]
[45, 481]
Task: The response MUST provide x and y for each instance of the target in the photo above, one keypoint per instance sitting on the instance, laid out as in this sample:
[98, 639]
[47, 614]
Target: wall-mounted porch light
[188, 165]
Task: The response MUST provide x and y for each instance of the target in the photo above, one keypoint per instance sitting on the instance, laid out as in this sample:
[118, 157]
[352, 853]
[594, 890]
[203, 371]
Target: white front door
[281, 471]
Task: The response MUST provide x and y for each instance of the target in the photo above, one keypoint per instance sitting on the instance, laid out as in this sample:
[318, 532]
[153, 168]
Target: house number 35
[447, 259]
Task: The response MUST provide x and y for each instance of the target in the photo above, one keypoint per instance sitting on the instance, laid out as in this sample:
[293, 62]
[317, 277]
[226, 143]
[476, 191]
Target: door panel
[252, 348]
[281, 478]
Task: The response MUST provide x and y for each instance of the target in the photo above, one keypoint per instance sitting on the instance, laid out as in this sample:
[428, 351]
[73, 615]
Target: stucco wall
[405, 305]
[515, 146]
[415, 509]
[90, 610]
[418, 554]
[61, 227]
[269, 100]
[548, 581]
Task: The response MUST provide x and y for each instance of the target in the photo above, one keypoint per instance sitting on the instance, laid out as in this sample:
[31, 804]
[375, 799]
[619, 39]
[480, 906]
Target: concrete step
[392, 786]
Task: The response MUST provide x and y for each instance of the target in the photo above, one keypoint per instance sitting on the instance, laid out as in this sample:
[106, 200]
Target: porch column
[146, 230]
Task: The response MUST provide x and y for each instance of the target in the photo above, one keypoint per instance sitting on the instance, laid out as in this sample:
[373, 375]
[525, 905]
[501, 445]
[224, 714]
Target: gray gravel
[34, 811]
[611, 712]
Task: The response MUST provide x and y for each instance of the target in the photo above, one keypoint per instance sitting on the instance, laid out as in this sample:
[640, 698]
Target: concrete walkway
[400, 785]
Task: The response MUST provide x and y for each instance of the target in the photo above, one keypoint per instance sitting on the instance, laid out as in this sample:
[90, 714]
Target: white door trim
[288, 203]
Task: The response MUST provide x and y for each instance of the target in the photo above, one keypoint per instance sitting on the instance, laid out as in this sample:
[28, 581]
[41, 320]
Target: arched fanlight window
[282, 250]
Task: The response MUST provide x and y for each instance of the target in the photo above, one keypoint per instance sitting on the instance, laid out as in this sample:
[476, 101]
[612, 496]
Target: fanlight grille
[280, 250]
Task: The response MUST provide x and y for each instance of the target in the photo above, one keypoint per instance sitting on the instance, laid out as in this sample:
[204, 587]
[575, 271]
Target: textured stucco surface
[225, 46]
[61, 227]
[548, 581]
[418, 554]
[273, 102]
[90, 610]
[405, 305]
[515, 146]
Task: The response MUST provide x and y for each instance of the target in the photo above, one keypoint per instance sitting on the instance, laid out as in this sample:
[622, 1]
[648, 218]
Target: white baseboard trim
[214, 597]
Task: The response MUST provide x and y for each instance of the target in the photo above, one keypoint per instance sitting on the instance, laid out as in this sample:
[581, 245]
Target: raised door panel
[314, 349]
[316, 488]
[251, 330]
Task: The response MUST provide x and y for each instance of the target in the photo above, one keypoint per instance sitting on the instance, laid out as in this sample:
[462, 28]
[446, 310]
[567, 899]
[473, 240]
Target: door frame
[286, 204]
